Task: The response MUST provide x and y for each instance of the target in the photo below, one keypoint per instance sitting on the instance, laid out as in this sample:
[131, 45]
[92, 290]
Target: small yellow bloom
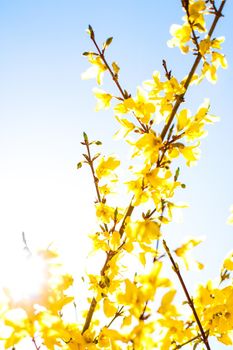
[191, 154]
[96, 70]
[109, 308]
[106, 166]
[104, 213]
[181, 37]
[103, 99]
[184, 253]
[228, 262]
[183, 119]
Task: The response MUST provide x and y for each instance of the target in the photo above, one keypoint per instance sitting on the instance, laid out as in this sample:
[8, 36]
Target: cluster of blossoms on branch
[138, 310]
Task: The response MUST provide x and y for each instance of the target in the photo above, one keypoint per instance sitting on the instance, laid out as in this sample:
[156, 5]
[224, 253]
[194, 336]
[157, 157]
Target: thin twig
[128, 213]
[117, 314]
[113, 75]
[189, 341]
[123, 92]
[90, 162]
[93, 304]
[34, 342]
[189, 299]
[143, 316]
[168, 73]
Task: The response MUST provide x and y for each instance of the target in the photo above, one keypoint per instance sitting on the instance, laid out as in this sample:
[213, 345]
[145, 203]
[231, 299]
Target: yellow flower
[184, 253]
[144, 231]
[140, 106]
[219, 59]
[210, 72]
[103, 99]
[196, 14]
[148, 145]
[109, 308]
[126, 127]
[96, 70]
[204, 46]
[166, 307]
[228, 262]
[183, 119]
[140, 194]
[104, 213]
[106, 166]
[181, 37]
[191, 154]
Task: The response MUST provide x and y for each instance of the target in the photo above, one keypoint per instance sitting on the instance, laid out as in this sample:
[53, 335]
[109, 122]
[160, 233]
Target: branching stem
[35, 344]
[90, 162]
[123, 92]
[189, 341]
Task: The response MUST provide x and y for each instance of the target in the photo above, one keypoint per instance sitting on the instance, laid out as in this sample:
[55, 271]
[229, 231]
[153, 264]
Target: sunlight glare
[24, 277]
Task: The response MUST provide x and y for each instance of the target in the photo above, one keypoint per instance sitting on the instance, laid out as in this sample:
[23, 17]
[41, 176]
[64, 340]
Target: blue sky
[45, 106]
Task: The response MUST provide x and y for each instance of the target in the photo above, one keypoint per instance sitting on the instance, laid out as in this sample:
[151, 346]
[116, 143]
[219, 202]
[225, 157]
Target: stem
[34, 342]
[117, 314]
[90, 162]
[89, 315]
[124, 93]
[91, 310]
[143, 315]
[127, 214]
[189, 299]
[189, 341]
[95, 179]
[180, 98]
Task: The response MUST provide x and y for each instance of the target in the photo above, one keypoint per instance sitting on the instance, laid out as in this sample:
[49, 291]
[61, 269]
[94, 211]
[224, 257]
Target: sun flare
[23, 276]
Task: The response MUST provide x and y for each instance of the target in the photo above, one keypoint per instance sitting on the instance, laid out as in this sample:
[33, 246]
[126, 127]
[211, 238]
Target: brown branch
[127, 215]
[91, 310]
[34, 342]
[168, 73]
[123, 92]
[143, 316]
[189, 341]
[89, 315]
[180, 98]
[117, 314]
[90, 163]
[113, 75]
[189, 299]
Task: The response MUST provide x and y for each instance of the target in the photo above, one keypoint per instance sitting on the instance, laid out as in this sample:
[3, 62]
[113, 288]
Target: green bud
[107, 43]
[85, 137]
[90, 31]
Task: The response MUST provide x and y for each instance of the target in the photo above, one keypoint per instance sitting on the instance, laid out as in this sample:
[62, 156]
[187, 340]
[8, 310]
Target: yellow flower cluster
[130, 301]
